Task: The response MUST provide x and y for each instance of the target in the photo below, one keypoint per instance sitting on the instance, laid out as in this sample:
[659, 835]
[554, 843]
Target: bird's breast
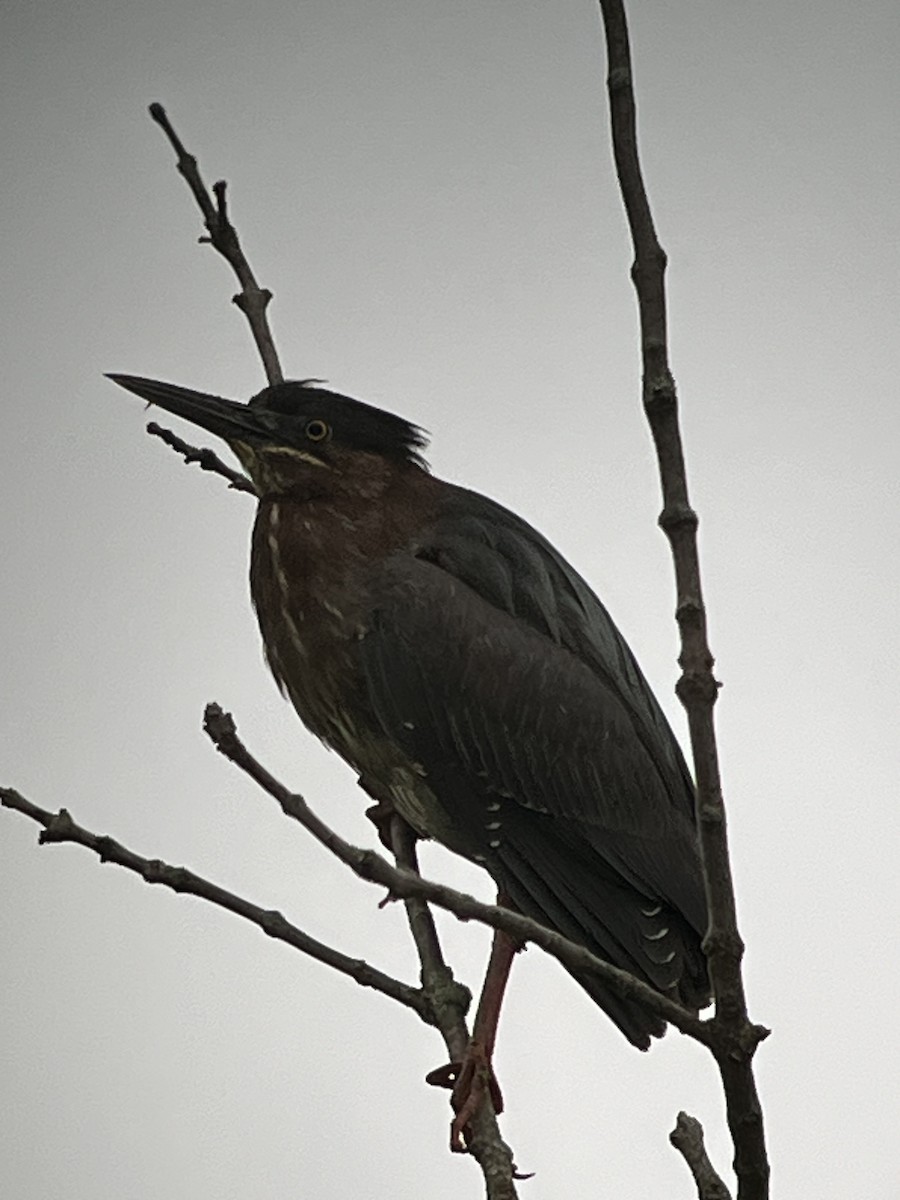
[312, 570]
[307, 588]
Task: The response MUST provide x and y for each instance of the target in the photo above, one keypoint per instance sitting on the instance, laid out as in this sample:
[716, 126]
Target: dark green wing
[497, 670]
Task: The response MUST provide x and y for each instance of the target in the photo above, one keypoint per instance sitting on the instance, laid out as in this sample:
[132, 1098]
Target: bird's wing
[497, 670]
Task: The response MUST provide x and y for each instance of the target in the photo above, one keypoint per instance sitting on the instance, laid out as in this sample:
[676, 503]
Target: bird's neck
[312, 556]
[313, 562]
[310, 531]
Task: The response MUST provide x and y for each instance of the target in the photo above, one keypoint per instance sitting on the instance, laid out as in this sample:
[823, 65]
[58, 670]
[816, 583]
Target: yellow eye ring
[317, 430]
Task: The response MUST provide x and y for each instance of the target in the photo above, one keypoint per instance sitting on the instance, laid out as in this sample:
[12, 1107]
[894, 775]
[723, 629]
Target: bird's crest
[355, 424]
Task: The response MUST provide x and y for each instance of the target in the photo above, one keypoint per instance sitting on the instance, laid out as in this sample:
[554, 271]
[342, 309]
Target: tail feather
[641, 935]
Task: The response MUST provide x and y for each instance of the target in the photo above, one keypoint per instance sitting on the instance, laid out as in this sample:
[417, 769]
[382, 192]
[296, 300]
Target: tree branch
[206, 460]
[733, 1038]
[449, 1002]
[687, 1138]
[369, 865]
[252, 300]
[60, 827]
[441, 1002]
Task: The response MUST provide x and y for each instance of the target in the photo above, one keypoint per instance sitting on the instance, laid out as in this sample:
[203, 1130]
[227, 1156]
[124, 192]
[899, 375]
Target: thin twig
[733, 1038]
[369, 865]
[206, 459]
[687, 1138]
[60, 827]
[449, 1002]
[449, 998]
[252, 300]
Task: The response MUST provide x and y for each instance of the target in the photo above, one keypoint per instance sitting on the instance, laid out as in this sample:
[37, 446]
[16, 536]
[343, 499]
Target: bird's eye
[317, 431]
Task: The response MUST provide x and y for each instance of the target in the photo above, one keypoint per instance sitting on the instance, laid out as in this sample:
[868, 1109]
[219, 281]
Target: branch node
[722, 942]
[677, 518]
[154, 869]
[258, 301]
[660, 395]
[273, 925]
[691, 612]
[58, 829]
[697, 688]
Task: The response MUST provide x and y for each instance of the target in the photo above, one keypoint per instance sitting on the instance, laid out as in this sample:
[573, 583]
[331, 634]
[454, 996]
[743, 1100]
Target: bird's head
[297, 436]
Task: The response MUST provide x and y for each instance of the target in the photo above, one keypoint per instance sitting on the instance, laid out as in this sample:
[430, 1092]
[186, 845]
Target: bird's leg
[476, 1074]
[473, 1078]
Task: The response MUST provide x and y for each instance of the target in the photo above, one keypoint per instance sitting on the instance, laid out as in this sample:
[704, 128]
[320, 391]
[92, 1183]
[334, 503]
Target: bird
[471, 678]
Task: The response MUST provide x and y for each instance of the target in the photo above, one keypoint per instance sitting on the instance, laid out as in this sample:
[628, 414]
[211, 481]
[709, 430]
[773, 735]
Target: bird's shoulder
[479, 543]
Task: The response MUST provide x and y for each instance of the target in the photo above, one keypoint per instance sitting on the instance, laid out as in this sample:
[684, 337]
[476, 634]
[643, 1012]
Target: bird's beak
[225, 418]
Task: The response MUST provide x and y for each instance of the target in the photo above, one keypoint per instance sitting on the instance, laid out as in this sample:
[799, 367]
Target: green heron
[471, 678]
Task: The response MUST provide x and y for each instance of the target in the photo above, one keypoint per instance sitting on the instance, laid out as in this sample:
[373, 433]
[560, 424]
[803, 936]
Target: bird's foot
[470, 1081]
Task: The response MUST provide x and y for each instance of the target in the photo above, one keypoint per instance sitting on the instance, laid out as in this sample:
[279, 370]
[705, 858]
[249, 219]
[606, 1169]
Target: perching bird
[470, 677]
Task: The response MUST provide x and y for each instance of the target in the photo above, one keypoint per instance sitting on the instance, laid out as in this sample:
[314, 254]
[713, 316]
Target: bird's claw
[470, 1081]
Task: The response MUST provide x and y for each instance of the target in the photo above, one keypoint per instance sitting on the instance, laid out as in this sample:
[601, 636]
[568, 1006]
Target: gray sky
[427, 188]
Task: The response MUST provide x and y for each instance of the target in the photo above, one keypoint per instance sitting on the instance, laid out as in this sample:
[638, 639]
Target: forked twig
[252, 300]
[206, 459]
[60, 827]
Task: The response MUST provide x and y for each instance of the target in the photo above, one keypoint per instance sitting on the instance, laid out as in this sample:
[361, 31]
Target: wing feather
[538, 701]
[489, 661]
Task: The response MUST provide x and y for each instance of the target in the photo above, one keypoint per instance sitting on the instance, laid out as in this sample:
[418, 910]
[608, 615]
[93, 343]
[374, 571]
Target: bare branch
[252, 300]
[60, 827]
[369, 865]
[687, 1138]
[449, 1002]
[733, 1038]
[441, 1002]
[206, 460]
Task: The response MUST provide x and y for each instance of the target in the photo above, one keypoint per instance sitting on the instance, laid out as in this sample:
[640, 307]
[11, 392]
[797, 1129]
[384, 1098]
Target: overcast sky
[427, 188]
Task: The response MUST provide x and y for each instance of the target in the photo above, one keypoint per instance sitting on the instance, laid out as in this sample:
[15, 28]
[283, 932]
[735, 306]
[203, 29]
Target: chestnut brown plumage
[470, 677]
